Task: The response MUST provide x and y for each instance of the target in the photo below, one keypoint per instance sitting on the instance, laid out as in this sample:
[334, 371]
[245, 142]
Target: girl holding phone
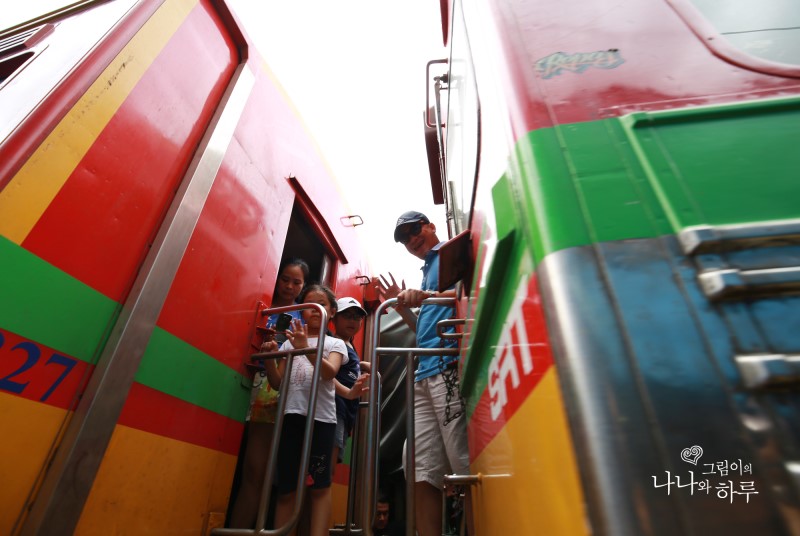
[318, 477]
[260, 423]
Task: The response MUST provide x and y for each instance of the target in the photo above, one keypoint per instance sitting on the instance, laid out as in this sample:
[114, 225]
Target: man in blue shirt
[439, 419]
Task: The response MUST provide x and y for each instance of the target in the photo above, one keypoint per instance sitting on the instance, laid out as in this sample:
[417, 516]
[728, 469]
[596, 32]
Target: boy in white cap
[350, 383]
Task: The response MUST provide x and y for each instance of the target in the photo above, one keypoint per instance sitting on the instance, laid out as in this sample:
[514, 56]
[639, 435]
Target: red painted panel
[153, 411]
[501, 399]
[99, 227]
[231, 262]
[665, 64]
[233, 255]
[341, 474]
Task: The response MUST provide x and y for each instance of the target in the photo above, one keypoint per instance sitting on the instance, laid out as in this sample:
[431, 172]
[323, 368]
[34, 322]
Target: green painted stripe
[493, 306]
[653, 174]
[42, 303]
[722, 164]
[640, 176]
[177, 368]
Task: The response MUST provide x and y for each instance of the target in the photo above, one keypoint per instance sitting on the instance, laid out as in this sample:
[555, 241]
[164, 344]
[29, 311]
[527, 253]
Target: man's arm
[414, 297]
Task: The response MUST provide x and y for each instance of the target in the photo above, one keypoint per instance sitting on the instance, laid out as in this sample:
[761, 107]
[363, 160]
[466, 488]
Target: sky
[355, 71]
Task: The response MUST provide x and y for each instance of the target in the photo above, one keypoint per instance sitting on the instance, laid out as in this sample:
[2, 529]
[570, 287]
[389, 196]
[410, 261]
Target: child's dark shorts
[291, 449]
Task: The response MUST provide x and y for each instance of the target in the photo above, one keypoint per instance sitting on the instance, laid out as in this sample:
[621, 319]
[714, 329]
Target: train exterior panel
[627, 175]
[153, 172]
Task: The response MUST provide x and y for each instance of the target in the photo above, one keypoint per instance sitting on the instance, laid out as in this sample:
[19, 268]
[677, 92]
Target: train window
[463, 127]
[8, 66]
[758, 35]
[18, 48]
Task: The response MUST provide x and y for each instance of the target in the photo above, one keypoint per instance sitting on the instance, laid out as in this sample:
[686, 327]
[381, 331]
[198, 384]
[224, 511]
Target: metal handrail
[266, 489]
[348, 529]
[369, 482]
[458, 482]
[452, 335]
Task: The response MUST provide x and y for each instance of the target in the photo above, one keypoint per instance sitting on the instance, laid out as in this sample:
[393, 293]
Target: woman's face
[311, 316]
[290, 284]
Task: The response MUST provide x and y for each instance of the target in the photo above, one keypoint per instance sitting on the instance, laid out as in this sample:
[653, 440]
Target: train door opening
[302, 242]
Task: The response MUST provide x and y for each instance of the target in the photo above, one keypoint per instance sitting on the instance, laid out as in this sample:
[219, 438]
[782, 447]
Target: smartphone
[284, 322]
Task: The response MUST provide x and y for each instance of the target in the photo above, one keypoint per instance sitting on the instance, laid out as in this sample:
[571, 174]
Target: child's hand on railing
[269, 346]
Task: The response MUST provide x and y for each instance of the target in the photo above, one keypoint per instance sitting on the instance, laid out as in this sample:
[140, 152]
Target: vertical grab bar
[373, 428]
[266, 489]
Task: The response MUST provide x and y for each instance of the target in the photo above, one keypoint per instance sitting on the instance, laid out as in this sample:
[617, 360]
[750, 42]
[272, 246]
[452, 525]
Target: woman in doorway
[292, 277]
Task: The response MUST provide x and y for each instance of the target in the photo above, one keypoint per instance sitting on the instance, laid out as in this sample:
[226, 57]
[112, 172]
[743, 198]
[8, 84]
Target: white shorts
[439, 450]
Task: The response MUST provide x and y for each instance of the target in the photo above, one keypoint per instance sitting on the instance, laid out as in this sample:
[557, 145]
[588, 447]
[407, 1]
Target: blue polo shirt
[429, 316]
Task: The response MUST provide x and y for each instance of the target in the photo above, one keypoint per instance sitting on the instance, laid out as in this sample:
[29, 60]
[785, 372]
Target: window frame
[721, 47]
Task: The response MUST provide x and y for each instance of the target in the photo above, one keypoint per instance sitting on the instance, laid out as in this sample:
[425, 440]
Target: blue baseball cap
[412, 216]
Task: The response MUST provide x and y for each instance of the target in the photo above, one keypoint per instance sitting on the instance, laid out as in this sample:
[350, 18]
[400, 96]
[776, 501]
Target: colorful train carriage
[627, 176]
[152, 176]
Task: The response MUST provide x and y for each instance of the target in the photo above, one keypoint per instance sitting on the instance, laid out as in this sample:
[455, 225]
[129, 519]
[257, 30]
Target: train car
[153, 174]
[624, 179]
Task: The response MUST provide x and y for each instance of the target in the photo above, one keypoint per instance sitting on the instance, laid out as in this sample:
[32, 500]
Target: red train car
[153, 175]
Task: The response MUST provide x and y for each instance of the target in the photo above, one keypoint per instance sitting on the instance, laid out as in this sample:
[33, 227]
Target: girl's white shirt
[300, 382]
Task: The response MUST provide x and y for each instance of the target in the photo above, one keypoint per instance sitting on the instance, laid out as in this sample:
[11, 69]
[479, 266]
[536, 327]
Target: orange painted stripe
[530, 481]
[29, 432]
[148, 484]
[29, 193]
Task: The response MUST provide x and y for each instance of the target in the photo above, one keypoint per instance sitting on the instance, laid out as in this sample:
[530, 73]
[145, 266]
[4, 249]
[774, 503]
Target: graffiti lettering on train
[36, 372]
[555, 64]
[513, 359]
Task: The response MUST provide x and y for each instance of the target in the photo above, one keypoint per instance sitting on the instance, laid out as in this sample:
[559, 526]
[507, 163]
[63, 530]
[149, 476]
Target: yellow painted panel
[29, 431]
[338, 504]
[30, 192]
[149, 484]
[530, 480]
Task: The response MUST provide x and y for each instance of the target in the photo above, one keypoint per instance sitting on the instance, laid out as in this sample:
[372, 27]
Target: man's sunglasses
[414, 230]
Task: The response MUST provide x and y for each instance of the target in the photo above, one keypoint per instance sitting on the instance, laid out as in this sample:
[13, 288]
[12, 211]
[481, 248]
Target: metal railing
[266, 489]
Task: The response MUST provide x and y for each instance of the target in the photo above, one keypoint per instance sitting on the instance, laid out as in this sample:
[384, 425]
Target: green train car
[625, 178]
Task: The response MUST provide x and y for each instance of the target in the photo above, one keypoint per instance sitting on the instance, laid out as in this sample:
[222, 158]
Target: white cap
[342, 304]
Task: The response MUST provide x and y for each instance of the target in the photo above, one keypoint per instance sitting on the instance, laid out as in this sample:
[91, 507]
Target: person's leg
[288, 467]
[338, 443]
[320, 472]
[429, 460]
[283, 510]
[320, 511]
[428, 505]
[454, 434]
[245, 508]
